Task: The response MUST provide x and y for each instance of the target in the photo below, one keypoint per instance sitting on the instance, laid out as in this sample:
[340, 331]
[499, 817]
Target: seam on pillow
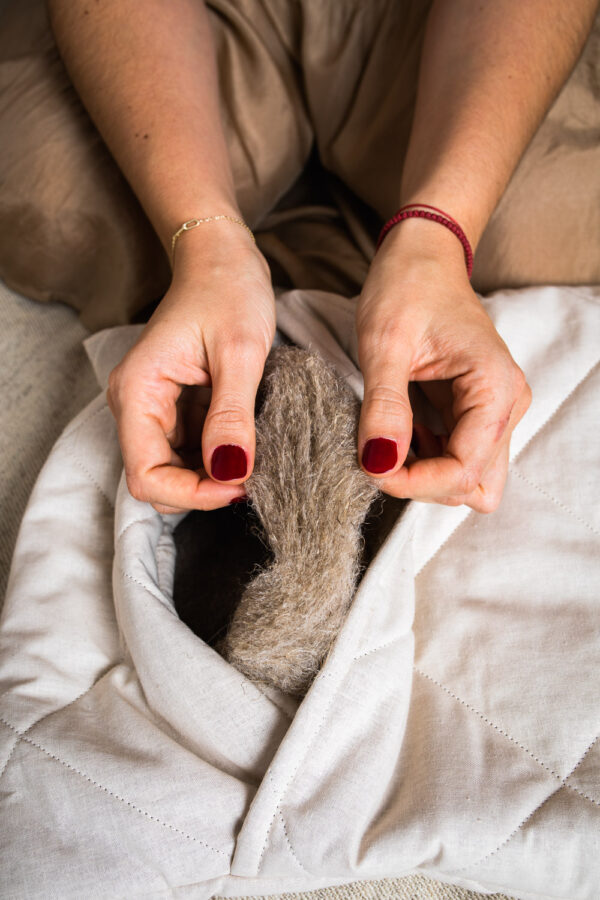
[147, 518]
[560, 505]
[513, 740]
[161, 599]
[289, 843]
[89, 476]
[51, 712]
[532, 813]
[128, 803]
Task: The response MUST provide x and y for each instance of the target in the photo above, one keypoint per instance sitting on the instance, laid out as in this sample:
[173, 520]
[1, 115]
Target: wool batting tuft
[311, 498]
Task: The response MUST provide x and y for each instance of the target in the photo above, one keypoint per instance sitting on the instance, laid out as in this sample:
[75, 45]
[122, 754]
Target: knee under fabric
[311, 498]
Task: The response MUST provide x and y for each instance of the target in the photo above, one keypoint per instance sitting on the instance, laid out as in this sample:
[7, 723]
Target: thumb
[385, 426]
[228, 436]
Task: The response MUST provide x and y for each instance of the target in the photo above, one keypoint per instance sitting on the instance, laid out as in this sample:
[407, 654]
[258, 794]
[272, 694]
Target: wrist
[416, 242]
[172, 216]
[217, 244]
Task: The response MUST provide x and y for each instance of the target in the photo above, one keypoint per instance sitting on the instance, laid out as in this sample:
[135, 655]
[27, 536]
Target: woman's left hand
[418, 319]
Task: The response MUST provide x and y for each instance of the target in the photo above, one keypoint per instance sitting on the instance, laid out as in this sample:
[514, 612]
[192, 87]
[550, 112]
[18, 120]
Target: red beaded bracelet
[420, 210]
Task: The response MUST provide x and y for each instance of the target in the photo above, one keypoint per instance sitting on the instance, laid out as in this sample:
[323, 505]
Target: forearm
[489, 72]
[146, 73]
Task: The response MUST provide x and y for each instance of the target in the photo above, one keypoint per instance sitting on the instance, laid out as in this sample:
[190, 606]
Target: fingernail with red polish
[228, 462]
[380, 455]
[238, 500]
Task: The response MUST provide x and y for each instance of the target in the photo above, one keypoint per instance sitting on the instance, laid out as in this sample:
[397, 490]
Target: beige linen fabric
[300, 79]
[453, 729]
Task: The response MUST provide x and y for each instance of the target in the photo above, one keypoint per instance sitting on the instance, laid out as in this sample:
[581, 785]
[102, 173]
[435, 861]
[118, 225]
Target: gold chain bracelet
[193, 223]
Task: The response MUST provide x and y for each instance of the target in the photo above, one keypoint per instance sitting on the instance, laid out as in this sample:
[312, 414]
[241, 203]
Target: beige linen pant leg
[71, 229]
[360, 62]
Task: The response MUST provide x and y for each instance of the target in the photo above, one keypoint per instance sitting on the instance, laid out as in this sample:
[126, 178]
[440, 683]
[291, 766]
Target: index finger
[156, 474]
[485, 415]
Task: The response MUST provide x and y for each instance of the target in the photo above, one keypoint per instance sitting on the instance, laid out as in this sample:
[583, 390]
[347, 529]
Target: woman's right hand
[213, 329]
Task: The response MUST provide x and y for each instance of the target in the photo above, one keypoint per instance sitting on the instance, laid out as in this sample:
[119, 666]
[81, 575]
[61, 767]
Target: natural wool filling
[269, 585]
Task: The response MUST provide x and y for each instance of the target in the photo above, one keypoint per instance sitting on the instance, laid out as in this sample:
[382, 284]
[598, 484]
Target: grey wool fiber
[311, 498]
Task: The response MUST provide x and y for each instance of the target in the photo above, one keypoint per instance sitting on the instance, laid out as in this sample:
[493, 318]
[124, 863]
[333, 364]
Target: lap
[341, 76]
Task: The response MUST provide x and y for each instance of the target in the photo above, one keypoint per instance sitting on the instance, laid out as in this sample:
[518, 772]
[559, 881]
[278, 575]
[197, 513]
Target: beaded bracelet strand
[421, 210]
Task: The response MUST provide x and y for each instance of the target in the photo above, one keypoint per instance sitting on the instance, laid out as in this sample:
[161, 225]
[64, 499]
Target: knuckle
[522, 399]
[120, 386]
[527, 396]
[242, 348]
[469, 479]
[487, 503]
[381, 338]
[114, 380]
[135, 486]
[518, 381]
[228, 413]
[387, 400]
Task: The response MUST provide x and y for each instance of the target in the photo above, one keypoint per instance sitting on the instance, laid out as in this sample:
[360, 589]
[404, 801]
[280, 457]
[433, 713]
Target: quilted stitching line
[574, 769]
[291, 778]
[395, 640]
[307, 749]
[89, 476]
[553, 793]
[523, 448]
[50, 712]
[147, 518]
[581, 381]
[292, 851]
[128, 803]
[69, 432]
[148, 591]
[556, 502]
[9, 757]
[512, 739]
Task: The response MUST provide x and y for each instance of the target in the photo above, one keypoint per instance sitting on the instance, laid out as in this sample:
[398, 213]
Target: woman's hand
[214, 328]
[418, 319]
[478, 104]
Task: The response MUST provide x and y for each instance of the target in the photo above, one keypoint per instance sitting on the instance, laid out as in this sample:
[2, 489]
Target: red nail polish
[228, 462]
[380, 455]
[238, 500]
